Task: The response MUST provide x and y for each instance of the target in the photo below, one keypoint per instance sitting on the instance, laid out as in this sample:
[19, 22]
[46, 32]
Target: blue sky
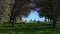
[33, 15]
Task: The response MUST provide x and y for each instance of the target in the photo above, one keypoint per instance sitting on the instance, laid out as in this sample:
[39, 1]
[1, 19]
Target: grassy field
[30, 28]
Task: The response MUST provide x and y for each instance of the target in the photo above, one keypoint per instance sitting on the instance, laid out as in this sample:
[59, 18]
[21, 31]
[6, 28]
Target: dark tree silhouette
[20, 8]
[48, 9]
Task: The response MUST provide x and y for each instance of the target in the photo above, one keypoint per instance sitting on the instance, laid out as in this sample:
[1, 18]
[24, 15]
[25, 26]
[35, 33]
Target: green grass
[30, 28]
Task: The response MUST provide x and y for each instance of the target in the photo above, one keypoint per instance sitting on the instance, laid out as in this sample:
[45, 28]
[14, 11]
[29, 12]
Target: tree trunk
[50, 20]
[45, 19]
[20, 18]
[54, 23]
[12, 23]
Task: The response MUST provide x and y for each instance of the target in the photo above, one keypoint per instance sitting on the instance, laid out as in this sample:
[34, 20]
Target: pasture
[29, 28]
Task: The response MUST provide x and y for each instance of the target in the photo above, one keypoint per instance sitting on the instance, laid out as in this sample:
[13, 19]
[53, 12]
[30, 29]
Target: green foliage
[4, 10]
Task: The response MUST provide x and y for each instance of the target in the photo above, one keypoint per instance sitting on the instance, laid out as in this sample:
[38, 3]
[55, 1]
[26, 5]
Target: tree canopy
[49, 9]
[11, 9]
